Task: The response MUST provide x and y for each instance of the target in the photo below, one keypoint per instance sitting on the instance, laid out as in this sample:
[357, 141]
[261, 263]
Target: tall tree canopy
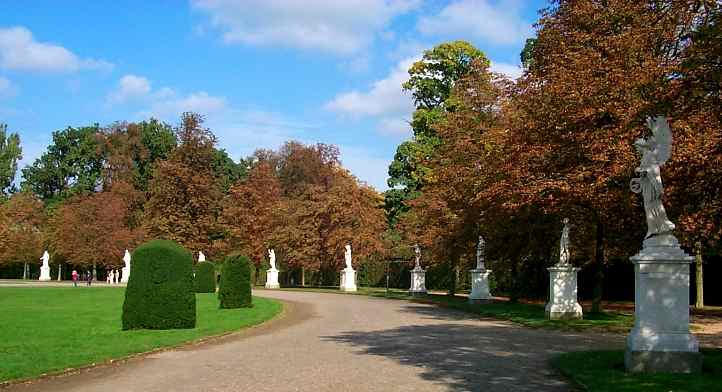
[22, 221]
[10, 154]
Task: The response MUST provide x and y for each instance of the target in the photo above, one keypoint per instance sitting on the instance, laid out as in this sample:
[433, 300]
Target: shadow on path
[473, 355]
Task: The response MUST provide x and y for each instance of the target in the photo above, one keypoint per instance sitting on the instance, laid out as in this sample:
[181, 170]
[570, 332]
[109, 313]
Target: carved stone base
[480, 285]
[660, 339]
[272, 279]
[348, 280]
[124, 275]
[418, 282]
[563, 302]
[44, 274]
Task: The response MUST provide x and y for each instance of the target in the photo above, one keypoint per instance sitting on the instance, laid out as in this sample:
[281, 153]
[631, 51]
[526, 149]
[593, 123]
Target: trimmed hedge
[205, 279]
[234, 290]
[160, 294]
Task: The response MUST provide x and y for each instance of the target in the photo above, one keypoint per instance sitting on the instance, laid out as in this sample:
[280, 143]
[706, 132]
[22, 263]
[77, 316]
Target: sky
[260, 71]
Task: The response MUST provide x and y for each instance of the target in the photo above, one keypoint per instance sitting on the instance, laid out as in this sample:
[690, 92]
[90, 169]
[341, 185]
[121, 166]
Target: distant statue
[564, 244]
[272, 258]
[655, 151]
[45, 259]
[347, 257]
[480, 253]
[126, 260]
[201, 257]
[417, 252]
[126, 270]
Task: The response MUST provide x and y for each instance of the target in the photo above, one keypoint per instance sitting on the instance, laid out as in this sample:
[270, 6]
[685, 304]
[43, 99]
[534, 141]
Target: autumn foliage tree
[184, 194]
[22, 220]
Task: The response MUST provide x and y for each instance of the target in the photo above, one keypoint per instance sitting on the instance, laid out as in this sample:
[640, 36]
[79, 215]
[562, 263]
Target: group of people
[113, 277]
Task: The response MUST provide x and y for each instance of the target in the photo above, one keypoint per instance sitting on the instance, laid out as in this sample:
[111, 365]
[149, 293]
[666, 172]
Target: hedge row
[234, 290]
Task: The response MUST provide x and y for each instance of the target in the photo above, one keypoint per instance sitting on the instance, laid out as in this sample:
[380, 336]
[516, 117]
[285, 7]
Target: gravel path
[331, 342]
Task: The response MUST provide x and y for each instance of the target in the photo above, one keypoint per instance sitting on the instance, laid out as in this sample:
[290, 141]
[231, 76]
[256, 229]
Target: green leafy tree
[72, 164]
[10, 153]
[430, 83]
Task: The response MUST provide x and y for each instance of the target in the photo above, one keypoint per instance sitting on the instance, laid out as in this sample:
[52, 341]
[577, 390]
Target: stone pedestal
[44, 273]
[563, 302]
[348, 280]
[660, 340]
[480, 285]
[418, 281]
[272, 279]
[125, 274]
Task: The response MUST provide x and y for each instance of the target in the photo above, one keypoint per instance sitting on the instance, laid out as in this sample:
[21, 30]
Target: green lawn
[45, 330]
[603, 371]
[530, 315]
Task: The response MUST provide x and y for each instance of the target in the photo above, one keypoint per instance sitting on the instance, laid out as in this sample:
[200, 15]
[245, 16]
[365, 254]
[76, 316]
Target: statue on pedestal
[655, 151]
[272, 258]
[417, 252]
[125, 270]
[45, 259]
[564, 245]
[480, 253]
[201, 257]
[347, 257]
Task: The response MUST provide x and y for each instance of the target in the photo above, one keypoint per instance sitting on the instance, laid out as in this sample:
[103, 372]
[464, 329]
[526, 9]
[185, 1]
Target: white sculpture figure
[201, 257]
[45, 268]
[347, 257]
[348, 274]
[480, 253]
[272, 273]
[109, 278]
[126, 270]
[272, 258]
[564, 244]
[660, 340]
[115, 276]
[655, 151]
[418, 275]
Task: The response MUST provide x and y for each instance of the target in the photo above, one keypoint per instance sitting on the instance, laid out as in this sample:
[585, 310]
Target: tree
[431, 80]
[22, 219]
[249, 211]
[72, 164]
[324, 209]
[93, 229]
[10, 154]
[184, 194]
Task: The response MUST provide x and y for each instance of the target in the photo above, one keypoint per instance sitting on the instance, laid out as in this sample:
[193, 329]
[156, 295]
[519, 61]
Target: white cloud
[20, 51]
[341, 27]
[130, 87]
[384, 96]
[366, 166]
[7, 89]
[497, 22]
[510, 70]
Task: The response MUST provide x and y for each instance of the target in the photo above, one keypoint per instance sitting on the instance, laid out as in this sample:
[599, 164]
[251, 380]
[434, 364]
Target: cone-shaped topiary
[234, 290]
[160, 294]
[205, 279]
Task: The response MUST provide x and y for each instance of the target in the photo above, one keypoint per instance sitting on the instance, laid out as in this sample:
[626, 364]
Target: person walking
[75, 276]
[89, 277]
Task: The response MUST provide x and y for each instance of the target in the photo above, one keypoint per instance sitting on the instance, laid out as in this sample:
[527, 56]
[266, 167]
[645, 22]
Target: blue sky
[262, 72]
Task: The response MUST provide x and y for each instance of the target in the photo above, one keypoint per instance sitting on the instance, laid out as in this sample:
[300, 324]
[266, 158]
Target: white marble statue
[45, 268]
[417, 253]
[201, 257]
[655, 151]
[347, 257]
[126, 270]
[480, 253]
[272, 258]
[116, 274]
[564, 244]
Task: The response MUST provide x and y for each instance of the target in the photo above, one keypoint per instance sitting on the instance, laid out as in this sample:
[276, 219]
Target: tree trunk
[453, 274]
[303, 276]
[598, 270]
[25, 271]
[699, 304]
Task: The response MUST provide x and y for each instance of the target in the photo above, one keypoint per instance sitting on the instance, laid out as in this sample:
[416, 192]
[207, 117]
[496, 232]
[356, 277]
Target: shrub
[234, 290]
[160, 294]
[204, 280]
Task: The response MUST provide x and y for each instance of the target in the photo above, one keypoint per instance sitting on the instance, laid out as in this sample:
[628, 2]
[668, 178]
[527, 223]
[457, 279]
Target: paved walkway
[332, 342]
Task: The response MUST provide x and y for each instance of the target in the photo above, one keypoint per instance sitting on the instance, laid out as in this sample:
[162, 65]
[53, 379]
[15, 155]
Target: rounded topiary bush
[204, 280]
[160, 294]
[234, 290]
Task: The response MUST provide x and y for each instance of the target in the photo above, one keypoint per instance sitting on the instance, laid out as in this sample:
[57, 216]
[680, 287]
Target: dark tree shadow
[468, 356]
